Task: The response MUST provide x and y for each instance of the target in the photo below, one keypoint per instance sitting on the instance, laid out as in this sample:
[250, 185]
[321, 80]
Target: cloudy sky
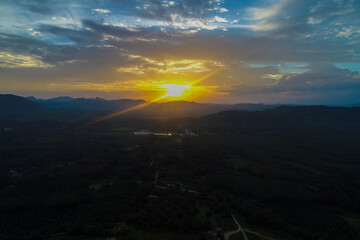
[270, 51]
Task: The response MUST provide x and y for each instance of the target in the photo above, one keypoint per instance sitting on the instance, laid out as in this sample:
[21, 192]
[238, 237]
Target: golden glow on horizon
[149, 78]
[175, 90]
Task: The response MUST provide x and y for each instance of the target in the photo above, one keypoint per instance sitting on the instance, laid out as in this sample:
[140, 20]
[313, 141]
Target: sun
[175, 90]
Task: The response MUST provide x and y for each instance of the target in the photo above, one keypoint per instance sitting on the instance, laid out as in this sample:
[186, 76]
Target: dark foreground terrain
[285, 173]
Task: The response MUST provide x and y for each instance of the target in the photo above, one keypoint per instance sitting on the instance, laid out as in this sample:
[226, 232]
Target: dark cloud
[80, 37]
[321, 77]
[121, 32]
[46, 7]
[326, 9]
[323, 83]
[300, 19]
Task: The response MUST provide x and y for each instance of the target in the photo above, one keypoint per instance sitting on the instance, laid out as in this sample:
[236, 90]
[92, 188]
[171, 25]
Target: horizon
[207, 51]
[187, 101]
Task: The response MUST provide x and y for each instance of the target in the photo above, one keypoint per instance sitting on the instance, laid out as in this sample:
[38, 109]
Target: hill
[174, 109]
[87, 104]
[287, 173]
[180, 109]
[15, 107]
[9, 102]
[284, 117]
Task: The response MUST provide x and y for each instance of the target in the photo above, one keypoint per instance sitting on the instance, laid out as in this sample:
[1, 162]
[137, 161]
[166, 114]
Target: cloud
[113, 42]
[183, 14]
[99, 10]
[219, 19]
[329, 8]
[323, 83]
[321, 77]
[261, 13]
[149, 65]
[9, 60]
[80, 37]
[265, 26]
[162, 10]
[348, 31]
[38, 6]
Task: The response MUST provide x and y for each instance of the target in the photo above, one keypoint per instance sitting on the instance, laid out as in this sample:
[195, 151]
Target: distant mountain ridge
[309, 117]
[15, 107]
[211, 115]
[86, 104]
[13, 102]
[172, 109]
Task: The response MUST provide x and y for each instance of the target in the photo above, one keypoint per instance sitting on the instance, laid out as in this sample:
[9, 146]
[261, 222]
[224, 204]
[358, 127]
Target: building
[143, 132]
[162, 134]
[148, 132]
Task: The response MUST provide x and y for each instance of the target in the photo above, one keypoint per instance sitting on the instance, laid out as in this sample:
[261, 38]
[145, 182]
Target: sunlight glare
[175, 90]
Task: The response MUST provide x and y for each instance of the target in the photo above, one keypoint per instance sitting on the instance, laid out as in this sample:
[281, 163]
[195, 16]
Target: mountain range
[16, 107]
[172, 109]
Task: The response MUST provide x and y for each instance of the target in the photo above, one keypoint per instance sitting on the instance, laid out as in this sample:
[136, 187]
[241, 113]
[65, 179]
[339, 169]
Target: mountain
[15, 107]
[174, 109]
[256, 106]
[185, 109]
[235, 115]
[191, 109]
[87, 104]
[9, 102]
[178, 109]
[62, 99]
[295, 117]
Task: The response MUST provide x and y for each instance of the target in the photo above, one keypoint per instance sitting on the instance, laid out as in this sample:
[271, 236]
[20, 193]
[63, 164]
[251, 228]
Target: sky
[224, 51]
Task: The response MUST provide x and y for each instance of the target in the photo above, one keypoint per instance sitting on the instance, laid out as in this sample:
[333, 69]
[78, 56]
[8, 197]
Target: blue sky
[270, 51]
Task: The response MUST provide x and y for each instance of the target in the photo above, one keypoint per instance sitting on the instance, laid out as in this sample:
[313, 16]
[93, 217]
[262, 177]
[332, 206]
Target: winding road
[228, 234]
[155, 181]
[258, 234]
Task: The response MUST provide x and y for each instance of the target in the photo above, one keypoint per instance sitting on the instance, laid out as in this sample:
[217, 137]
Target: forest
[285, 173]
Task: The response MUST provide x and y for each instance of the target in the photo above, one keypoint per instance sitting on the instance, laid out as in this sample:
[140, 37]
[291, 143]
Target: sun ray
[173, 90]
[207, 76]
[137, 107]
